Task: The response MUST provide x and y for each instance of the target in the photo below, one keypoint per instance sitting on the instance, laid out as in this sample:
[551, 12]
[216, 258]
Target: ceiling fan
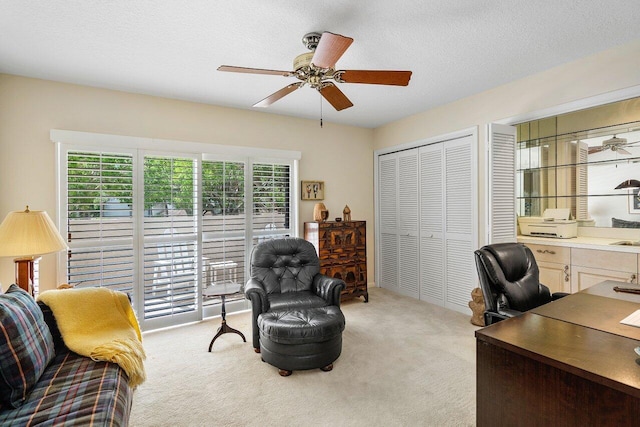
[614, 144]
[317, 70]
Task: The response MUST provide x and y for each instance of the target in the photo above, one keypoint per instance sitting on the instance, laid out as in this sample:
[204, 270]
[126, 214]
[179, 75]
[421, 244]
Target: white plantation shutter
[582, 182]
[163, 225]
[271, 200]
[171, 257]
[99, 219]
[502, 187]
[224, 223]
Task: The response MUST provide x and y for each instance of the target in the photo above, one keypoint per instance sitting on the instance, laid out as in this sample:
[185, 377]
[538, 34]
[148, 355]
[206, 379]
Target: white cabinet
[567, 269]
[590, 266]
[554, 265]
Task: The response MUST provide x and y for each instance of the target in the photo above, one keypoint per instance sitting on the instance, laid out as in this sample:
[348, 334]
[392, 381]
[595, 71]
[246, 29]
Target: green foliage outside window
[102, 185]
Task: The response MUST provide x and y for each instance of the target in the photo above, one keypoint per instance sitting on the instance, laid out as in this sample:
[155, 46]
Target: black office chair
[509, 279]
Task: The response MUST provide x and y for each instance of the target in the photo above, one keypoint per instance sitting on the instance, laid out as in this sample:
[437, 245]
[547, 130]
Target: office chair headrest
[512, 258]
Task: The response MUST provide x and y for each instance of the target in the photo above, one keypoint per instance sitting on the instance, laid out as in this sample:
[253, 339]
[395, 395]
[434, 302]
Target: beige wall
[339, 155]
[29, 108]
[604, 72]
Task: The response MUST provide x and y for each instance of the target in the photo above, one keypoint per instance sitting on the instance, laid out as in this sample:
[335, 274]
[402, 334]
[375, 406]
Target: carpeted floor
[404, 363]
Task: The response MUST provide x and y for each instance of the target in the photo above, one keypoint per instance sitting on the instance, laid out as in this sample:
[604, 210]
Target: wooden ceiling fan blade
[622, 151]
[375, 77]
[278, 95]
[330, 49]
[335, 97]
[593, 150]
[233, 69]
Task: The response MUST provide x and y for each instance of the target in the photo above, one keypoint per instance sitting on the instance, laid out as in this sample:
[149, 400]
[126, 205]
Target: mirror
[560, 167]
[613, 161]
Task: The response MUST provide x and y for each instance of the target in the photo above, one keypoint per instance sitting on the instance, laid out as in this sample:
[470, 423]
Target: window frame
[66, 141]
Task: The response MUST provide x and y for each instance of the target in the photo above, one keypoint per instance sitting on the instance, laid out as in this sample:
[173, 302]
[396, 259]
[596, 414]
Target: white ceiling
[171, 48]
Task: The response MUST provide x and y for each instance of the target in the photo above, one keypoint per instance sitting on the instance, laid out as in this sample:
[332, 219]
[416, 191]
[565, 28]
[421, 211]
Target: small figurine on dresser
[320, 212]
[346, 213]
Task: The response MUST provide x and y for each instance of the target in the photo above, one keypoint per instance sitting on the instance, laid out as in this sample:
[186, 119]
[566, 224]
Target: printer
[552, 223]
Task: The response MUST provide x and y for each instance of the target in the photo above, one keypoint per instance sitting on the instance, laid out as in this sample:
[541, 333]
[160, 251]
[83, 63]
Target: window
[271, 200]
[99, 222]
[169, 232]
[163, 225]
[224, 223]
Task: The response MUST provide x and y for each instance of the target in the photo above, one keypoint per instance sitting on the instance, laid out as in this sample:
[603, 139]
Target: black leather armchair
[285, 275]
[509, 279]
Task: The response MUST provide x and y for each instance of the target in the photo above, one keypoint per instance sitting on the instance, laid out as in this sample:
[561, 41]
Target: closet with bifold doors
[427, 219]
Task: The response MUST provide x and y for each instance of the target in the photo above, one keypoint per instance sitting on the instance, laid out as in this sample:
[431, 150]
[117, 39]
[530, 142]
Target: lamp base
[25, 268]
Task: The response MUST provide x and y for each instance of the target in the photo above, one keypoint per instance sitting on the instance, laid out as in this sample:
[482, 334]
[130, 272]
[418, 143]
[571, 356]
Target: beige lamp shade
[29, 233]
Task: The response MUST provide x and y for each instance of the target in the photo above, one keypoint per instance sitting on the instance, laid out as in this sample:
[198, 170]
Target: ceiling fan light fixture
[303, 60]
[615, 141]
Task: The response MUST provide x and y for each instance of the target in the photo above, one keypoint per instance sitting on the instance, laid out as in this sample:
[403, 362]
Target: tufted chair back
[285, 265]
[509, 277]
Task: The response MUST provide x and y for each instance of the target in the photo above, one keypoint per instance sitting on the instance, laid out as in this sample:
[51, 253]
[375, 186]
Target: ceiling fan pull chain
[320, 111]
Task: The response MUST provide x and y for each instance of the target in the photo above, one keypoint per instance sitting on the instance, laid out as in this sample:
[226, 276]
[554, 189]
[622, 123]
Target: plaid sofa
[73, 390]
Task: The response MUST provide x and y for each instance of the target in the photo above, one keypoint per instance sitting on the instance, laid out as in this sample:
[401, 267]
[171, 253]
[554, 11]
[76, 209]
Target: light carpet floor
[404, 362]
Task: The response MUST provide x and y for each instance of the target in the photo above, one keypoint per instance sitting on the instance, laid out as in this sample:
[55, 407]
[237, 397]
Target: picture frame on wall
[634, 201]
[312, 190]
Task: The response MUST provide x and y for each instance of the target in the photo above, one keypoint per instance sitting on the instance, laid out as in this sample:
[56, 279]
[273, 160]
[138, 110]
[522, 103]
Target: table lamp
[27, 235]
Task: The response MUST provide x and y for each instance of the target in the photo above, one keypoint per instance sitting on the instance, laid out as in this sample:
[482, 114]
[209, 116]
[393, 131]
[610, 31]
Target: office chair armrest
[328, 288]
[558, 295]
[491, 317]
[508, 312]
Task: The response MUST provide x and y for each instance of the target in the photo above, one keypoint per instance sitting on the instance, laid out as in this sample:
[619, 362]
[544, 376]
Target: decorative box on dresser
[342, 249]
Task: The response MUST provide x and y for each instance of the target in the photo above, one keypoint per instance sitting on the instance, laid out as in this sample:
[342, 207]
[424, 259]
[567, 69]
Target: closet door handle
[566, 273]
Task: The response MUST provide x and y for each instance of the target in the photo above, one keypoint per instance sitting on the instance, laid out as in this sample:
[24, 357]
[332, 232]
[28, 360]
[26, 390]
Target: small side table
[223, 291]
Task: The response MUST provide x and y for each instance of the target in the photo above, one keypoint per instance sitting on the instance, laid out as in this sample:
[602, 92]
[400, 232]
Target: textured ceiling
[172, 48]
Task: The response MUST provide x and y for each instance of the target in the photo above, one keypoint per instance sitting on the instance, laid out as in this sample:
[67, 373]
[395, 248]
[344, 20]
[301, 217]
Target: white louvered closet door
[427, 209]
[459, 198]
[431, 224]
[502, 183]
[388, 221]
[408, 261]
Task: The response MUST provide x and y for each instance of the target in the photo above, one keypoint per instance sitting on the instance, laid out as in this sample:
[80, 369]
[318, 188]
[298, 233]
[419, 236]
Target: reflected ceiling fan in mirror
[614, 144]
[317, 70]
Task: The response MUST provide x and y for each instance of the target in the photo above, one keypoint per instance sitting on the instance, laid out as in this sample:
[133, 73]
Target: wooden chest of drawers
[342, 249]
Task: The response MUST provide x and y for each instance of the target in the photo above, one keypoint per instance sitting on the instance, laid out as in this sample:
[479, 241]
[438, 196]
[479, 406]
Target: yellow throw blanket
[99, 323]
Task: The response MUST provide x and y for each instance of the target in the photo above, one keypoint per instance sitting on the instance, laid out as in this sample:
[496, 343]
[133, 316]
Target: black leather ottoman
[300, 339]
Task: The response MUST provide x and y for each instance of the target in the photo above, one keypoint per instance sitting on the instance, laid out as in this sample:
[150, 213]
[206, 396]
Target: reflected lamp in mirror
[27, 235]
[630, 183]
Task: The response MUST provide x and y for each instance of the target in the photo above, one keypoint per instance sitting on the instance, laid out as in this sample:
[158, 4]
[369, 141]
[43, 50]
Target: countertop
[599, 243]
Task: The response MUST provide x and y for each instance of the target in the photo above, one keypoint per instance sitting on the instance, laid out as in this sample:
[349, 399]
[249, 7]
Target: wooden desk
[567, 363]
